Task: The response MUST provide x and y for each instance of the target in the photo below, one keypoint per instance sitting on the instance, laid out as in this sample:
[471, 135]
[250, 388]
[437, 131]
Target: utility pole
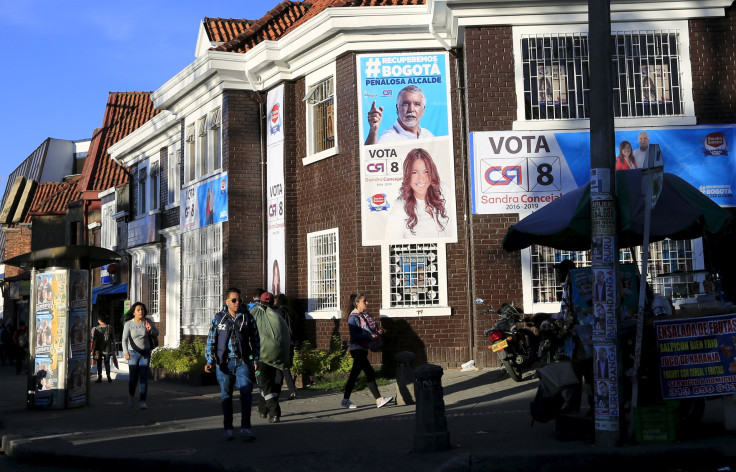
[604, 243]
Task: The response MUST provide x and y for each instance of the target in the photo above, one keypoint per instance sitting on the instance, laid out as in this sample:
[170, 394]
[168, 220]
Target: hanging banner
[406, 154]
[275, 213]
[204, 203]
[521, 171]
[696, 356]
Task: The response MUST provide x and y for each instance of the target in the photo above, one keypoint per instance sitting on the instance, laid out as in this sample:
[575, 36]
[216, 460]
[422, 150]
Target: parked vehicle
[517, 348]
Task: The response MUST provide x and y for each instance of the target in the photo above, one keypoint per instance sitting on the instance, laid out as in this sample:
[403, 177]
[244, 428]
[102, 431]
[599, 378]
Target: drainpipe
[262, 165]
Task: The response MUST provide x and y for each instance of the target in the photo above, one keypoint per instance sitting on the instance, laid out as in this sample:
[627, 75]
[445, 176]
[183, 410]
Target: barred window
[646, 74]
[151, 282]
[320, 103]
[323, 256]
[202, 277]
[414, 275]
[545, 286]
[146, 264]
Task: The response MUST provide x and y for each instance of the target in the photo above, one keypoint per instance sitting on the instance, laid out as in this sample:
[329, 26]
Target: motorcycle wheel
[514, 372]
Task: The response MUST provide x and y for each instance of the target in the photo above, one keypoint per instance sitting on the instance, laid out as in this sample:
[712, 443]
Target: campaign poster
[46, 382]
[78, 330]
[45, 333]
[204, 203]
[552, 85]
[406, 154]
[697, 356]
[655, 84]
[79, 291]
[593, 297]
[276, 203]
[77, 382]
[521, 171]
[43, 291]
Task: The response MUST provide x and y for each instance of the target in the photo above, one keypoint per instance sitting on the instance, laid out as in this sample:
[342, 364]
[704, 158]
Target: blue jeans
[138, 368]
[238, 374]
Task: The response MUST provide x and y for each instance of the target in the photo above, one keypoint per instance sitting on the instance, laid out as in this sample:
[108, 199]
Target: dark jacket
[238, 336]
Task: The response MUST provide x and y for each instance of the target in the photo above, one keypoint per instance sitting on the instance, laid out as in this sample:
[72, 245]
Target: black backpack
[545, 408]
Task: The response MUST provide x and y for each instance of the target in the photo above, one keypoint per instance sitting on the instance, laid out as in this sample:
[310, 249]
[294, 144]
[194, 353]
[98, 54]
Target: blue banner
[696, 356]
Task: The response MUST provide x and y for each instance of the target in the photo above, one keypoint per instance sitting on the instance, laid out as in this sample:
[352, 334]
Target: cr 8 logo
[375, 167]
[498, 175]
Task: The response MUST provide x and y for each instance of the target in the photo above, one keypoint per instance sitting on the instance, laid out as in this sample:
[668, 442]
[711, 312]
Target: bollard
[404, 378]
[430, 432]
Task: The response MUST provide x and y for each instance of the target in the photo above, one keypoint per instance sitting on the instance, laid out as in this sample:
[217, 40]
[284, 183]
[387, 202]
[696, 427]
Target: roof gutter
[437, 36]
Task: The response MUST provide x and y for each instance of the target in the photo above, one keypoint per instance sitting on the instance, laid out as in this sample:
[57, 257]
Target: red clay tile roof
[224, 29]
[51, 198]
[288, 15]
[125, 112]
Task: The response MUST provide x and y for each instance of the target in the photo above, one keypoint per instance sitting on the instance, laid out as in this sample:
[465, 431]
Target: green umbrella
[682, 212]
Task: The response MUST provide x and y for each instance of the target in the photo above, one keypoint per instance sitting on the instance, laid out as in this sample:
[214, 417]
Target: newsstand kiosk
[59, 323]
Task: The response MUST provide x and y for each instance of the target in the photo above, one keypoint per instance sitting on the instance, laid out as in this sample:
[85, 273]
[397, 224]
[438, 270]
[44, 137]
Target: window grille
[414, 275]
[323, 257]
[545, 286]
[645, 74]
[202, 276]
[147, 264]
[152, 285]
[321, 100]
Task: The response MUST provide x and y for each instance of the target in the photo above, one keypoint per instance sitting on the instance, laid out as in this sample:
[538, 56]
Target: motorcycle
[516, 348]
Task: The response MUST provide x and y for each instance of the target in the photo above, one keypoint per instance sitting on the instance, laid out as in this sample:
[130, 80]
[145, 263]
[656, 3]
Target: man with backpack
[103, 343]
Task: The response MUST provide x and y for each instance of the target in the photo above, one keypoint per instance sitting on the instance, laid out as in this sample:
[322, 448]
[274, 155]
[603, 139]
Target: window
[145, 278]
[649, 69]
[189, 167]
[142, 191]
[414, 280]
[108, 232]
[202, 146]
[201, 278]
[173, 175]
[154, 185]
[664, 257]
[150, 287]
[215, 125]
[321, 120]
[324, 274]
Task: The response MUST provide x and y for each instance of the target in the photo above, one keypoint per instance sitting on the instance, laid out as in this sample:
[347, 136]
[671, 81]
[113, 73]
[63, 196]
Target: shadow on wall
[399, 336]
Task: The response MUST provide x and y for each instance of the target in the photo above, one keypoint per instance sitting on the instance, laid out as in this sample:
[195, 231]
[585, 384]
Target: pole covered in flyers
[607, 386]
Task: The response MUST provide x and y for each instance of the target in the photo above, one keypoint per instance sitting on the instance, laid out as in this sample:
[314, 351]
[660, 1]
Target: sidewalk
[487, 416]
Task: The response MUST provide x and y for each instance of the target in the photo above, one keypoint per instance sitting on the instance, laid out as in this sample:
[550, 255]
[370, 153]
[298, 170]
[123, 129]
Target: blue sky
[61, 58]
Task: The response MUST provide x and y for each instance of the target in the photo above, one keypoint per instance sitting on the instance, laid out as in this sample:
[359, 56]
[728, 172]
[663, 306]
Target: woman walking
[103, 343]
[363, 331]
[137, 347]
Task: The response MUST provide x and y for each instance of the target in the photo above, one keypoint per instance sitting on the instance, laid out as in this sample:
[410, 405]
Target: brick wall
[17, 242]
[491, 105]
[243, 234]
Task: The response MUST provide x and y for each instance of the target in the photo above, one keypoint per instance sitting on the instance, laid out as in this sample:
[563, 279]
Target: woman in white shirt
[419, 212]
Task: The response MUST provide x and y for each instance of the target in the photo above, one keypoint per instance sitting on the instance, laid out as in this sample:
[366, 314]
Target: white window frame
[687, 118]
[201, 253]
[202, 163]
[146, 286]
[214, 139]
[332, 312]
[173, 184]
[440, 309]
[190, 158]
[329, 71]
[154, 186]
[109, 230]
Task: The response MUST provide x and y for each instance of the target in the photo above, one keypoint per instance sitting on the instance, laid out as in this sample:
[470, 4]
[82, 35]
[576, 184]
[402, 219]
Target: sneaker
[109, 380]
[130, 400]
[142, 405]
[274, 419]
[228, 435]
[247, 435]
[263, 415]
[346, 403]
[383, 401]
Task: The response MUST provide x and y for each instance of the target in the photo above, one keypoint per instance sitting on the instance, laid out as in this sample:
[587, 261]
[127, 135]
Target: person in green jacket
[275, 342]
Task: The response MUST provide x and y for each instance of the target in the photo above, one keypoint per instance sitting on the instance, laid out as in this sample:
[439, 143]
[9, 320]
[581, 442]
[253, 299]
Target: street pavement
[487, 418]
